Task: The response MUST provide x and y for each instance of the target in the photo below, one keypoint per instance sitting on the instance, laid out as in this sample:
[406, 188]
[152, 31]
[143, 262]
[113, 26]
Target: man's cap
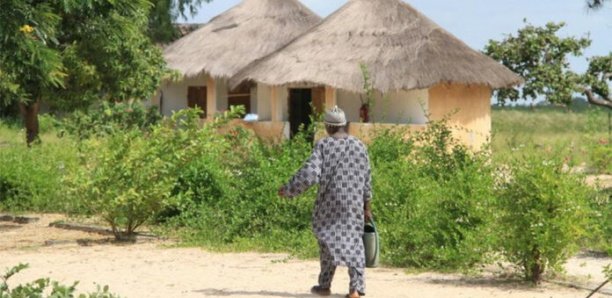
[335, 117]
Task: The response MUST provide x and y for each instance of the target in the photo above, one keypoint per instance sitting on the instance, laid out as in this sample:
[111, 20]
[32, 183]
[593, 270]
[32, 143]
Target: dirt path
[150, 270]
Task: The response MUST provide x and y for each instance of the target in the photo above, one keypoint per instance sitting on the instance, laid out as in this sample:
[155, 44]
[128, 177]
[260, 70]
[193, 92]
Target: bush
[128, 178]
[44, 287]
[109, 118]
[601, 156]
[31, 178]
[543, 213]
[600, 236]
[432, 199]
[240, 206]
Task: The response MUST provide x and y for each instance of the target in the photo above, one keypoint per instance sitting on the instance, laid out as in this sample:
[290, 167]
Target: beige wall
[175, 94]
[368, 131]
[469, 108]
[398, 107]
[267, 130]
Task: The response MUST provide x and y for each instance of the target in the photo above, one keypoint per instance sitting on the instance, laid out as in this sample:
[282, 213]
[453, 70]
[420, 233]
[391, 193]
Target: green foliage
[426, 220]
[107, 53]
[540, 56]
[129, 177]
[432, 199]
[110, 118]
[435, 201]
[32, 179]
[600, 235]
[165, 13]
[543, 212]
[71, 53]
[599, 75]
[44, 287]
[598, 78]
[582, 129]
[28, 63]
[601, 157]
[368, 98]
[242, 209]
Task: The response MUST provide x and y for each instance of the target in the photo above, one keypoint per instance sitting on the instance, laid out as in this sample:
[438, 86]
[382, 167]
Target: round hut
[416, 71]
[209, 56]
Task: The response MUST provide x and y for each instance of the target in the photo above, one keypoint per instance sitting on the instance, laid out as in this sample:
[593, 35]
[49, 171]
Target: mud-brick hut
[418, 71]
[209, 56]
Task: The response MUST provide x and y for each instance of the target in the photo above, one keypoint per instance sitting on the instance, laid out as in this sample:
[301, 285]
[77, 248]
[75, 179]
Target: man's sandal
[318, 290]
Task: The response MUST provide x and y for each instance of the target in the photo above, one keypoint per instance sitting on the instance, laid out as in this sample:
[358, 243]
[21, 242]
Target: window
[241, 96]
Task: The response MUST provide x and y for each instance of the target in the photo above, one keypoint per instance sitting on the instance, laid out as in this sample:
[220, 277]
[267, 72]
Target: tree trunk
[599, 101]
[29, 112]
[537, 267]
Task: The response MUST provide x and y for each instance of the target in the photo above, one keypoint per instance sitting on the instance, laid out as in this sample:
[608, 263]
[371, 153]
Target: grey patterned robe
[341, 167]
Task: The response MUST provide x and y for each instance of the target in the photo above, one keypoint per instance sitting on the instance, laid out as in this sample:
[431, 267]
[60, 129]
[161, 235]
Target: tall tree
[30, 63]
[165, 13]
[540, 56]
[598, 79]
[71, 52]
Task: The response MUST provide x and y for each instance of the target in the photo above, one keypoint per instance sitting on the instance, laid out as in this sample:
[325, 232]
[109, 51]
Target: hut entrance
[196, 97]
[300, 109]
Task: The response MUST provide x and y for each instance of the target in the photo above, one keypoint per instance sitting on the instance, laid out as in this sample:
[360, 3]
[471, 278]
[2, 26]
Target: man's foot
[318, 290]
[353, 294]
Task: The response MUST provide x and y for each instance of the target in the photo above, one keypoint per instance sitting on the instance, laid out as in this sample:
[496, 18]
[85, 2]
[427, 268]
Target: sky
[478, 21]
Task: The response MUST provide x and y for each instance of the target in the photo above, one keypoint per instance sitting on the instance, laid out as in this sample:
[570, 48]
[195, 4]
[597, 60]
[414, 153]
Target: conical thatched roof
[402, 49]
[239, 36]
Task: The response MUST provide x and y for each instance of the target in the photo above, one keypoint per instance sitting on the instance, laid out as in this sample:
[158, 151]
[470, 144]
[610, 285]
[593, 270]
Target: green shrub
[31, 178]
[44, 287]
[601, 156]
[600, 235]
[240, 206]
[128, 178]
[108, 118]
[432, 199]
[543, 213]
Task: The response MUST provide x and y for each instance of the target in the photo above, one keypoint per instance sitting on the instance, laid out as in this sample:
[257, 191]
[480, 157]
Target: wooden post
[211, 97]
[275, 104]
[330, 97]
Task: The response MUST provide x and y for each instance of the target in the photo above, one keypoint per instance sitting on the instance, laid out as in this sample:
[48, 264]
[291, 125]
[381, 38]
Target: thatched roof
[239, 36]
[402, 49]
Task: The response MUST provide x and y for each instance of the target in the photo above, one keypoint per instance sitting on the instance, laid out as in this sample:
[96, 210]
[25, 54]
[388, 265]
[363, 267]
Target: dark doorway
[300, 109]
[196, 97]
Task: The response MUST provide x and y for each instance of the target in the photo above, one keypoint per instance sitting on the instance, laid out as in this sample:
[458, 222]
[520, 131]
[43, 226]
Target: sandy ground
[150, 269]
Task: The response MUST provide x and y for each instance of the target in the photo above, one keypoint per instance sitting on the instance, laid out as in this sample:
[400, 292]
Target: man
[340, 165]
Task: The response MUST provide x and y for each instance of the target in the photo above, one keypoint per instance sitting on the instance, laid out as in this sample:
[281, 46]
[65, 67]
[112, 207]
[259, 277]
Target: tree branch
[598, 101]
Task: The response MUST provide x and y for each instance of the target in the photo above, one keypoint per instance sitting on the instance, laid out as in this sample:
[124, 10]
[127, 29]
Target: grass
[549, 127]
[31, 178]
[12, 133]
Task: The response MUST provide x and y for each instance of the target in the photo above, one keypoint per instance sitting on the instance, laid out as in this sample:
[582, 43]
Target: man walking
[340, 165]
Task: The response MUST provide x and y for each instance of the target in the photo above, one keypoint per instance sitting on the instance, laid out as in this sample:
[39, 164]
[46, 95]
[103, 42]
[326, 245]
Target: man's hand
[367, 211]
[367, 214]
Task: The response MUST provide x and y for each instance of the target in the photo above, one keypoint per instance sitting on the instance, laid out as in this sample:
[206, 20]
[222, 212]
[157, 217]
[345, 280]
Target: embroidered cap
[335, 117]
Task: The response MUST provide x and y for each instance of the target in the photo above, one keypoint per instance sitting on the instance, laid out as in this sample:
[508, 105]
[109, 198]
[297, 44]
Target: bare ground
[151, 269]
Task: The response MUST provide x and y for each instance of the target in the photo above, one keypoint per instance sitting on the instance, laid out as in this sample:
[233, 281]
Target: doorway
[196, 97]
[300, 110]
